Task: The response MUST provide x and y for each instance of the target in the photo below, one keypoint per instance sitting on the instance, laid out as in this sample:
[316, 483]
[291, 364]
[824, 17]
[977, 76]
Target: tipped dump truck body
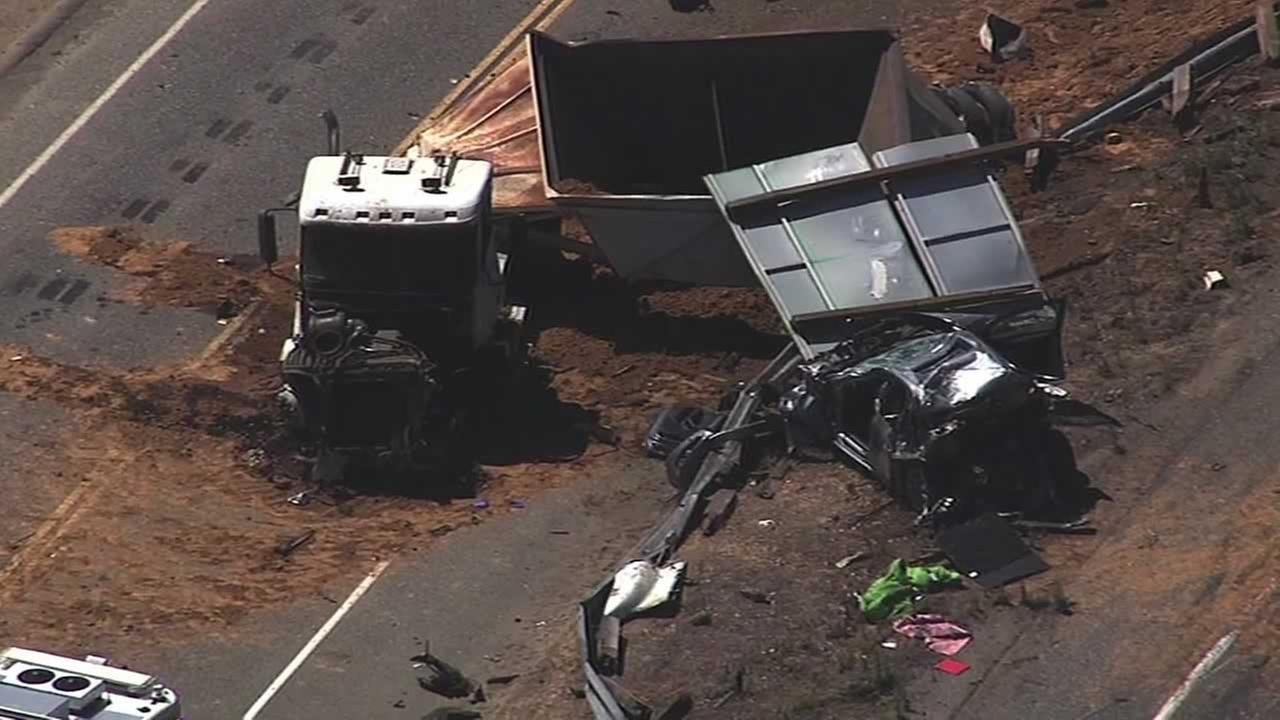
[621, 132]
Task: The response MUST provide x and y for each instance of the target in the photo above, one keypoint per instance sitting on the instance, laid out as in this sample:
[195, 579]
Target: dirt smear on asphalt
[184, 473]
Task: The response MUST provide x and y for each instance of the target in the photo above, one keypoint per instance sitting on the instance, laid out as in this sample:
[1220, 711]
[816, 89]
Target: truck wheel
[976, 119]
[1000, 113]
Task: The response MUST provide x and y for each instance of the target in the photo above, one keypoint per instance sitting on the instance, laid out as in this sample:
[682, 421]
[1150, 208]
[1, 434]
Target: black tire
[1000, 114]
[975, 117]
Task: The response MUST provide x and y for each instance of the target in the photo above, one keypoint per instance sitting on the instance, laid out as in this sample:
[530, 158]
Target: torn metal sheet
[990, 552]
[641, 585]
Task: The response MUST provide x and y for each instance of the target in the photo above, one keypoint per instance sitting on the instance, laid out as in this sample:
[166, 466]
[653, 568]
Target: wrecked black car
[928, 350]
[937, 414]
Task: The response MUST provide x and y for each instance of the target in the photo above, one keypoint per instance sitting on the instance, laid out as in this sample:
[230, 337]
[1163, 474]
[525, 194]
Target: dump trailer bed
[621, 132]
[841, 234]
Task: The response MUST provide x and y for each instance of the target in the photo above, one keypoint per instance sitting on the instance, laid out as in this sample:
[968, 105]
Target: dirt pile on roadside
[1078, 56]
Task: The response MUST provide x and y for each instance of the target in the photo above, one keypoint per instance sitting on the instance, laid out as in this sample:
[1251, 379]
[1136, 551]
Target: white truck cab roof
[352, 189]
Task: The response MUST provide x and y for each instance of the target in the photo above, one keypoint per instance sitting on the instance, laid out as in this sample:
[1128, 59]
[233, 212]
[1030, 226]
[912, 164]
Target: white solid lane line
[315, 641]
[96, 105]
[1198, 673]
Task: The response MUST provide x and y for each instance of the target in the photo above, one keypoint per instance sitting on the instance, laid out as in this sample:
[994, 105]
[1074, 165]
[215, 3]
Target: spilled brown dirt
[184, 473]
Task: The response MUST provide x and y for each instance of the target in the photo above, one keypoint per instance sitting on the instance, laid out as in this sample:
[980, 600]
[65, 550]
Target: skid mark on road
[62, 290]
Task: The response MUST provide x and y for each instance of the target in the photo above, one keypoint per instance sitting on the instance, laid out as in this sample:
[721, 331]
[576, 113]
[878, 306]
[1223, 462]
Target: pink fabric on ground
[939, 634]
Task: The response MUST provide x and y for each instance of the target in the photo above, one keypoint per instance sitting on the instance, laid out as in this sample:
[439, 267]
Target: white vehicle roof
[389, 191]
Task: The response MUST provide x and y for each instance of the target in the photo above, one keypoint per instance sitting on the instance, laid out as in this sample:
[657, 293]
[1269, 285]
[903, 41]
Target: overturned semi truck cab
[401, 292]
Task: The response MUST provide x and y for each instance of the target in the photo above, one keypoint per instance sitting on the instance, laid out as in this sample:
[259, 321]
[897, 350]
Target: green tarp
[893, 593]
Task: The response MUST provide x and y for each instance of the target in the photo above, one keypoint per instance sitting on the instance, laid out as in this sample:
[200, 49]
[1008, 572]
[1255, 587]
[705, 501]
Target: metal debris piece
[623, 371]
[291, 545]
[844, 562]
[443, 679]
[502, 679]
[1002, 39]
[1214, 280]
[300, 499]
[641, 585]
[480, 504]
[679, 708]
[766, 523]
[1113, 138]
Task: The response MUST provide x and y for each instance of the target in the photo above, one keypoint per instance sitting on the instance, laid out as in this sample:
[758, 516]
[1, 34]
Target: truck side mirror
[268, 248]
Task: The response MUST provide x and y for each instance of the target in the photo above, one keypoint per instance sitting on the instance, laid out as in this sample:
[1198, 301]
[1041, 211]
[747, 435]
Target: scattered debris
[640, 585]
[679, 708]
[895, 592]
[300, 499]
[1113, 138]
[989, 551]
[940, 634]
[766, 523]
[756, 596]
[952, 666]
[1214, 280]
[889, 644]
[738, 685]
[768, 487]
[255, 458]
[480, 504]
[443, 679]
[502, 679]
[623, 371]
[452, 713]
[519, 503]
[845, 561]
[688, 6]
[1002, 39]
[291, 545]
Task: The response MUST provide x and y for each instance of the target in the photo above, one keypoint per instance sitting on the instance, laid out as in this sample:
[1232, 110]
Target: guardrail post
[1268, 35]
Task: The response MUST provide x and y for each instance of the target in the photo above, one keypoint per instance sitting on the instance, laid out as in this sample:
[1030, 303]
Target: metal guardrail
[719, 464]
[1207, 58]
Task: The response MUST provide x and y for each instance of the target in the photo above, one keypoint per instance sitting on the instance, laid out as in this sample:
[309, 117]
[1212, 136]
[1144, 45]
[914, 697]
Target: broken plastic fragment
[640, 585]
[1214, 280]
